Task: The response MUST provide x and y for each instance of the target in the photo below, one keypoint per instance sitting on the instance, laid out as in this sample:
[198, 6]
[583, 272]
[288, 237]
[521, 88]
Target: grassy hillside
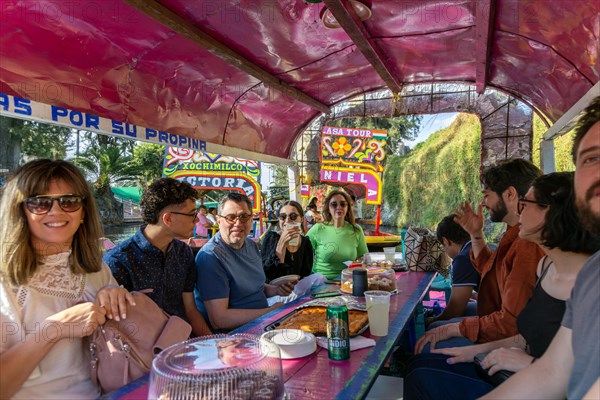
[438, 174]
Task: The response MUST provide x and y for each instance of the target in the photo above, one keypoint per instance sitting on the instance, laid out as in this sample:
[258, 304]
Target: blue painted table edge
[359, 385]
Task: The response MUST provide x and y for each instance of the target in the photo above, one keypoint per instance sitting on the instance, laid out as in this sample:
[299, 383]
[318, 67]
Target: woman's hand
[287, 234]
[470, 221]
[459, 354]
[437, 335]
[508, 358]
[113, 299]
[75, 322]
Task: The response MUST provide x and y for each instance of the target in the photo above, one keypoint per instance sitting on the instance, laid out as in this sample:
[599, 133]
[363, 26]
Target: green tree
[148, 160]
[30, 138]
[106, 165]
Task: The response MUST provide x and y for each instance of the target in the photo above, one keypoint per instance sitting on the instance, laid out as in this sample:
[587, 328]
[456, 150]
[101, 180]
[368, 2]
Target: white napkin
[357, 342]
[302, 287]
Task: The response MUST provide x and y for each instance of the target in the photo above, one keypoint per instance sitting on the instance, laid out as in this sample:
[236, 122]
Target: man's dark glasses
[43, 204]
[292, 216]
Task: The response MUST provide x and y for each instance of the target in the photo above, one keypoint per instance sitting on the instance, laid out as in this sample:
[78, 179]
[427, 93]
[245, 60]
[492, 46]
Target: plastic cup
[378, 308]
[390, 253]
[295, 241]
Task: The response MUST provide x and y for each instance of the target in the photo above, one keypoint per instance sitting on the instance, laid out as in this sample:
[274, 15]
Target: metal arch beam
[349, 21]
[569, 119]
[166, 17]
[485, 13]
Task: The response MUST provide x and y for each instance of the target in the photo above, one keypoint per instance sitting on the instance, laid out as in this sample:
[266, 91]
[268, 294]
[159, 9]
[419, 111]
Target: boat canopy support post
[294, 182]
[547, 159]
[378, 219]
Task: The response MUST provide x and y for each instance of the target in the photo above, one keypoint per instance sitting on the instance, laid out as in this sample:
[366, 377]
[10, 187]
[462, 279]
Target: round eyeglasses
[292, 216]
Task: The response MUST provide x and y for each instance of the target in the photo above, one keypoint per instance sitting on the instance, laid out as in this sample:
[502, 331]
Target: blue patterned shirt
[137, 264]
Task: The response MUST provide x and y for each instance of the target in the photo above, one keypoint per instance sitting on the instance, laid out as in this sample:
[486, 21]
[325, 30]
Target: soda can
[338, 334]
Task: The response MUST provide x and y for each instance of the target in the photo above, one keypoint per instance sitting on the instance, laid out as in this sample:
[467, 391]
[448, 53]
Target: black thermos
[359, 281]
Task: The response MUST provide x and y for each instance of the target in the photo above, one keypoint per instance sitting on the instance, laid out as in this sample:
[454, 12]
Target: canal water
[118, 233]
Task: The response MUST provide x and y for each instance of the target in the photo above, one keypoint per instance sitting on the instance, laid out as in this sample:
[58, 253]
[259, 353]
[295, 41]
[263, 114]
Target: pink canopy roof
[252, 74]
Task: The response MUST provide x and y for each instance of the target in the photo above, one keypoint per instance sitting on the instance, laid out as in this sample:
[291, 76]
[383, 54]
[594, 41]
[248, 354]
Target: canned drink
[338, 335]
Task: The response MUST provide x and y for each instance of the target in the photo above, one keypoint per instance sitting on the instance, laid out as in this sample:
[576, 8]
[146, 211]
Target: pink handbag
[123, 351]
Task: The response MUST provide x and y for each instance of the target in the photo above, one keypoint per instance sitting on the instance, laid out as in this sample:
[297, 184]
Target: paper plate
[293, 343]
[286, 278]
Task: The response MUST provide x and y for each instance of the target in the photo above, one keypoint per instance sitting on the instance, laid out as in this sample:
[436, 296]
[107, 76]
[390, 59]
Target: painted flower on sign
[341, 146]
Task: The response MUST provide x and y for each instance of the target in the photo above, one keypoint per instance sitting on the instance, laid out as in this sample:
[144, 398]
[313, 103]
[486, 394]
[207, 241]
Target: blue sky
[432, 123]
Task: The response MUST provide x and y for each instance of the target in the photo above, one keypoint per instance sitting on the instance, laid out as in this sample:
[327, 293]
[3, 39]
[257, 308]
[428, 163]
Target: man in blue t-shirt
[230, 286]
[571, 366]
[465, 279]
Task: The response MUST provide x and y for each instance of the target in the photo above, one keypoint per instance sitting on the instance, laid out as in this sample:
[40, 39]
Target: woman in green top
[338, 238]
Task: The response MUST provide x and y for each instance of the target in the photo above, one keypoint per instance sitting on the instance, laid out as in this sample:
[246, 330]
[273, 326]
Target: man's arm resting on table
[199, 325]
[458, 303]
[223, 317]
[550, 373]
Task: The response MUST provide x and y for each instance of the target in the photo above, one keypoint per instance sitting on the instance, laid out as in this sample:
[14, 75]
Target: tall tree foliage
[148, 160]
[29, 138]
[106, 165]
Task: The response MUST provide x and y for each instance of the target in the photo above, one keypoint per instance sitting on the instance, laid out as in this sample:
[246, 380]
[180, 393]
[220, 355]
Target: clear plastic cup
[295, 241]
[378, 308]
[390, 253]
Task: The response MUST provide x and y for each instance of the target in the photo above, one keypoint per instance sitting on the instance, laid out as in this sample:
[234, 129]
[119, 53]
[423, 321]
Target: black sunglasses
[231, 218]
[284, 216]
[43, 204]
[523, 202]
[334, 204]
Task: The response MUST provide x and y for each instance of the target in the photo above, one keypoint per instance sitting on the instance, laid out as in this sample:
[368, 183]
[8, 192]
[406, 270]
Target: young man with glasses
[508, 274]
[231, 286]
[286, 251]
[155, 259]
[570, 368]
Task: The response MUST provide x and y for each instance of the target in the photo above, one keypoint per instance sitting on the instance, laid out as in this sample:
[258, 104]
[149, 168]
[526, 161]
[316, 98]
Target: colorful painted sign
[354, 156]
[209, 171]
[369, 179]
[305, 191]
[364, 148]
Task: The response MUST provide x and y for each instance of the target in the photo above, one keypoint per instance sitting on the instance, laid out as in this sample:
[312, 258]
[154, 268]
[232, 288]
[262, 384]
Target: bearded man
[508, 273]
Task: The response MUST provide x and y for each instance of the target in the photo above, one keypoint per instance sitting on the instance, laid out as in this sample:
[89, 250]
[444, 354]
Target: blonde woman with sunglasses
[55, 290]
[338, 238]
[286, 251]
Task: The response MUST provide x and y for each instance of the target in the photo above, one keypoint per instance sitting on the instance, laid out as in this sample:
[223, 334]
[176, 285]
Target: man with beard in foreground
[508, 274]
[571, 366]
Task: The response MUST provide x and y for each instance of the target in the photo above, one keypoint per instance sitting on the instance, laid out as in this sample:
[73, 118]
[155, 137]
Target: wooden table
[318, 377]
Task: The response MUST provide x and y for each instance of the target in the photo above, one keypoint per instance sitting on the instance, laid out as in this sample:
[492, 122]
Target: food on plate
[312, 319]
[378, 279]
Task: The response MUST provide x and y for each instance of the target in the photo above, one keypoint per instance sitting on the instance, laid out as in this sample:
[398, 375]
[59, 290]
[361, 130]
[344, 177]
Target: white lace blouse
[64, 372]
